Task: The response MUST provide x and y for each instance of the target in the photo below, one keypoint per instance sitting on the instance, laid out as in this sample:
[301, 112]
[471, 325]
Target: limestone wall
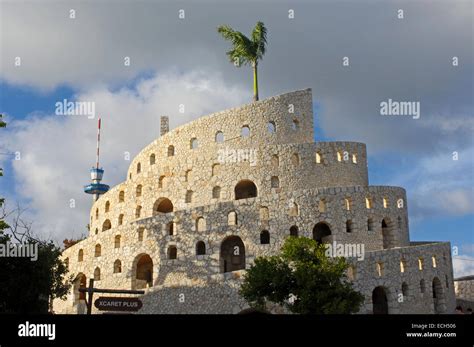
[415, 282]
[318, 190]
[464, 288]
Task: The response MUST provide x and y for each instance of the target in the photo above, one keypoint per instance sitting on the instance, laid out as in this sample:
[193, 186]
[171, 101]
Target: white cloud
[57, 151]
[463, 265]
[437, 185]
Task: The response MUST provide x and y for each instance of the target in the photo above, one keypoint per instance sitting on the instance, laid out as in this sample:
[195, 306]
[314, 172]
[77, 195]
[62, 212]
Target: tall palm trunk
[255, 81]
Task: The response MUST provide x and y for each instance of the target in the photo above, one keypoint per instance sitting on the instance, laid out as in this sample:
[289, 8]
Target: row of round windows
[219, 138]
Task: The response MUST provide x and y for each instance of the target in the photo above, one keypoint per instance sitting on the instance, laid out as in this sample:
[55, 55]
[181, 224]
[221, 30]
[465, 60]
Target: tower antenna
[96, 188]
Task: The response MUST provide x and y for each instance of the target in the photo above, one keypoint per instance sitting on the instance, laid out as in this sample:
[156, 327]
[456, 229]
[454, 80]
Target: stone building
[202, 201]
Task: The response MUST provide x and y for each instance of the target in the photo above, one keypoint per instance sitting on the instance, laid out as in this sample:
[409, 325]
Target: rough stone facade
[203, 200]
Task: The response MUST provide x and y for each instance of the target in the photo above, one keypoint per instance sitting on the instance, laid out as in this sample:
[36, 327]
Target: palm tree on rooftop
[246, 51]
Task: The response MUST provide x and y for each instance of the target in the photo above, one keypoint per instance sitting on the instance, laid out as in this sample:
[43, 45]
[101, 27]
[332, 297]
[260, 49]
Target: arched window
[170, 228]
[264, 237]
[422, 286]
[232, 254]
[420, 264]
[96, 231]
[170, 150]
[139, 168]
[107, 206]
[117, 241]
[319, 158]
[349, 226]
[264, 213]
[215, 169]
[232, 218]
[117, 266]
[380, 269]
[405, 290]
[172, 252]
[189, 197]
[187, 175]
[275, 160]
[295, 159]
[322, 205]
[370, 224]
[339, 156]
[271, 127]
[193, 143]
[138, 212]
[294, 231]
[433, 261]
[403, 265]
[97, 274]
[98, 250]
[152, 159]
[138, 191]
[351, 273]
[348, 204]
[120, 219]
[385, 202]
[80, 255]
[121, 196]
[200, 224]
[219, 137]
[245, 132]
[294, 209]
[141, 232]
[321, 232]
[354, 158]
[216, 192]
[161, 181]
[245, 189]
[275, 182]
[295, 125]
[162, 205]
[200, 248]
[387, 234]
[368, 203]
[106, 225]
[96, 213]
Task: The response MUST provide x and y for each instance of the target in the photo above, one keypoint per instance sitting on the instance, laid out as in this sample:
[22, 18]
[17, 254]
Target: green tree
[246, 51]
[303, 279]
[28, 286]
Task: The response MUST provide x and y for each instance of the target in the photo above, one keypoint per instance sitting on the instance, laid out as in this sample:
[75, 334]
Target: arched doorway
[439, 301]
[142, 272]
[321, 231]
[245, 189]
[379, 301]
[79, 282]
[162, 205]
[387, 234]
[232, 257]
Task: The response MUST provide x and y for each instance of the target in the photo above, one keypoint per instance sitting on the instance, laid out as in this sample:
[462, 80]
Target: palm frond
[259, 39]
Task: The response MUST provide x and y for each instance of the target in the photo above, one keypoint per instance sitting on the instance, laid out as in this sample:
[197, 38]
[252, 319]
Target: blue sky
[82, 59]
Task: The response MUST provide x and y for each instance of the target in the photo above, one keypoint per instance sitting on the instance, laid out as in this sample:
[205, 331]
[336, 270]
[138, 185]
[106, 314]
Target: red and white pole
[98, 144]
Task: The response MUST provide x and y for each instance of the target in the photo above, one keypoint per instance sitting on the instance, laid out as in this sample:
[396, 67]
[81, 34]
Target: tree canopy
[302, 279]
